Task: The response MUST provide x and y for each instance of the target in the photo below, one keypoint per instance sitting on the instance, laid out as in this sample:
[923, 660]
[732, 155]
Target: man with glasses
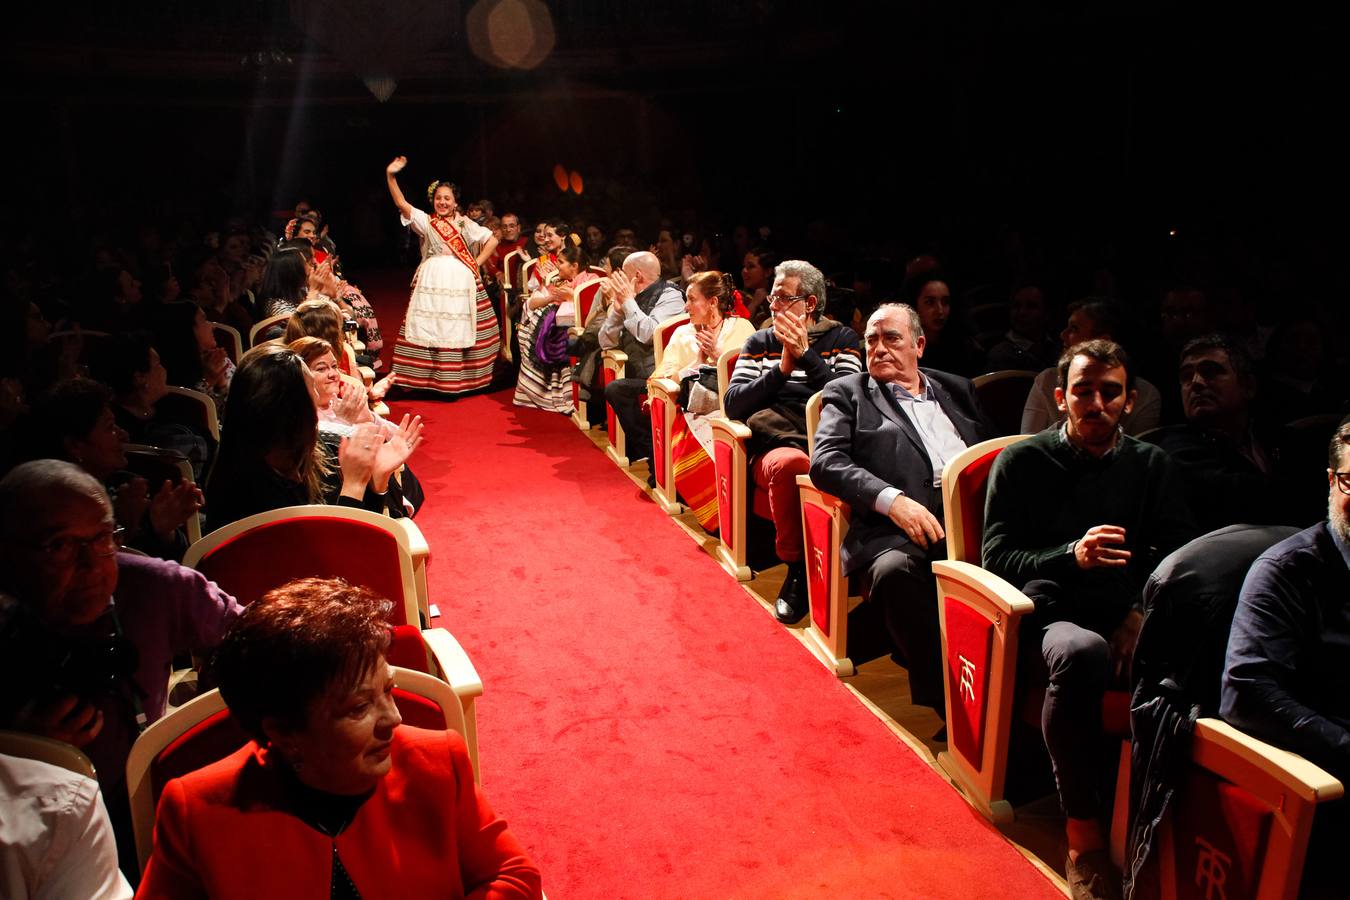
[88, 634]
[1286, 678]
[780, 367]
[883, 438]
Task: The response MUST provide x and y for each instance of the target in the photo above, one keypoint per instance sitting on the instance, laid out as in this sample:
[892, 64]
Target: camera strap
[137, 708]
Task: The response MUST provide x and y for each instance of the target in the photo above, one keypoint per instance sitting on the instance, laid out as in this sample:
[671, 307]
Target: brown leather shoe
[1093, 877]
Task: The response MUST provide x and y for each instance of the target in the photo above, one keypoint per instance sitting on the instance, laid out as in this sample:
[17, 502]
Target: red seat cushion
[407, 649]
[270, 555]
[970, 490]
[212, 739]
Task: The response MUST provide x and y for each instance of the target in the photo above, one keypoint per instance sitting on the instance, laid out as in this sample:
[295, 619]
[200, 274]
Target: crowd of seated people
[1079, 516]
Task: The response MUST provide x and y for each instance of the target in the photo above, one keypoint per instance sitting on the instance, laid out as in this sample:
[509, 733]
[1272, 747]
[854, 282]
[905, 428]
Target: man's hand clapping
[620, 287]
[790, 329]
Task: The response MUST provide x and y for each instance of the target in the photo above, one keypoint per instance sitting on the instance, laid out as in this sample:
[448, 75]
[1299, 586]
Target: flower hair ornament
[431, 190]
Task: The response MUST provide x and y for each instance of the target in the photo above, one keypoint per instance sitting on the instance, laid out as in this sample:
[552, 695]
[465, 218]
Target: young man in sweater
[1078, 516]
[780, 367]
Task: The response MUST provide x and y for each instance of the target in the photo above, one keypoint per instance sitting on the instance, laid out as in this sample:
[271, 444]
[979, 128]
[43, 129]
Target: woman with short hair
[331, 780]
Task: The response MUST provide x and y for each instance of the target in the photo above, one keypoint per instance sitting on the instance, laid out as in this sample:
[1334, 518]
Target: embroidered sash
[455, 241]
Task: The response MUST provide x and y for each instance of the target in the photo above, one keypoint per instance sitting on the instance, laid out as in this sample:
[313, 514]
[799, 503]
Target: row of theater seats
[1248, 801]
[437, 685]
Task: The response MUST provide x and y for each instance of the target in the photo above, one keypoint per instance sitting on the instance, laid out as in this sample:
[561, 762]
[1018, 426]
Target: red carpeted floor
[646, 728]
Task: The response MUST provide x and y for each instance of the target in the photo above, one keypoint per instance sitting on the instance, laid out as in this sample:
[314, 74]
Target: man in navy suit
[883, 439]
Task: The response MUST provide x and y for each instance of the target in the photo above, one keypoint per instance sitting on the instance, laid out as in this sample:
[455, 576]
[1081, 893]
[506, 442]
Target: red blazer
[425, 832]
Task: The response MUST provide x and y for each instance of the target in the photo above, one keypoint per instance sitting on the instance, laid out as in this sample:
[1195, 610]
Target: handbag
[698, 392]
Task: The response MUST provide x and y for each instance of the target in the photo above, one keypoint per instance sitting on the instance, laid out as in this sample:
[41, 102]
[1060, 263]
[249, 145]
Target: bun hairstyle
[437, 185]
[717, 286]
[571, 253]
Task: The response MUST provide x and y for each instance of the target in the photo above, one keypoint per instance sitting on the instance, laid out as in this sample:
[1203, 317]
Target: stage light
[577, 184]
[560, 177]
[510, 34]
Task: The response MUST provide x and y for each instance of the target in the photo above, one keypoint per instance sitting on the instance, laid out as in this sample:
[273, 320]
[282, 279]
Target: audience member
[1079, 516]
[285, 283]
[1027, 345]
[947, 348]
[55, 836]
[330, 779]
[586, 347]
[883, 439]
[639, 300]
[74, 421]
[757, 278]
[781, 367]
[130, 365]
[1228, 471]
[545, 379]
[272, 455]
[187, 347]
[88, 634]
[1090, 319]
[690, 357]
[1286, 681]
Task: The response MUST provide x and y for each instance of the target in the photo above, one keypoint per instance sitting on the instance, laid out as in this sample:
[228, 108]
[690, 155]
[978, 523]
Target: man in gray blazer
[883, 439]
[640, 300]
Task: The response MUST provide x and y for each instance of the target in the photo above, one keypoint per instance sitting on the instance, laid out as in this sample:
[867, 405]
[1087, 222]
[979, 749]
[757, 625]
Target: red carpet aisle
[647, 730]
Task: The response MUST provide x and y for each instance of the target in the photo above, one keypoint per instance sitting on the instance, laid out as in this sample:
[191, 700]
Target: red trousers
[776, 473]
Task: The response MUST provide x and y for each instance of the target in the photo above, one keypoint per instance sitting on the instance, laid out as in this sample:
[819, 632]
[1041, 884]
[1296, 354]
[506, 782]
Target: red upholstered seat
[211, 739]
[203, 731]
[268, 554]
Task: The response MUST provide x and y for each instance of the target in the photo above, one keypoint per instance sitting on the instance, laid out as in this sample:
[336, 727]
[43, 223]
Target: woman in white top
[713, 329]
[449, 339]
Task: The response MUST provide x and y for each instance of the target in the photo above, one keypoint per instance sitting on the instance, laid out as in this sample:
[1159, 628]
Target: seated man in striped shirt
[780, 367]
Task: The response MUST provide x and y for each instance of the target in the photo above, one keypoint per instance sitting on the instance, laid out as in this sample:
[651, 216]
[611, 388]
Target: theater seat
[203, 731]
[48, 750]
[257, 553]
[980, 615]
[824, 525]
[250, 557]
[1239, 823]
[614, 362]
[586, 302]
[229, 340]
[1003, 395]
[734, 489]
[258, 333]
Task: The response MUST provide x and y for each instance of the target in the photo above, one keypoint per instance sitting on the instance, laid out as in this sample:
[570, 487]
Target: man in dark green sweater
[1078, 516]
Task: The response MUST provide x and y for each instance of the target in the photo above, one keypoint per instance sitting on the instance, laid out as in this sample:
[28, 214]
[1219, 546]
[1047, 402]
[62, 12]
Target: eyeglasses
[779, 302]
[64, 551]
[1342, 481]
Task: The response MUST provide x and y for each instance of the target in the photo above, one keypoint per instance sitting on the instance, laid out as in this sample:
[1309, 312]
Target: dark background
[980, 130]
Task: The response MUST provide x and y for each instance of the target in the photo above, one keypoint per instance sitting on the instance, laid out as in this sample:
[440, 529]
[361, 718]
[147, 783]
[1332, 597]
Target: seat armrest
[454, 664]
[731, 429]
[991, 590]
[1295, 773]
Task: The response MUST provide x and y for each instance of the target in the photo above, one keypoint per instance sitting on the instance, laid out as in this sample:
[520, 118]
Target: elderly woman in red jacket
[333, 797]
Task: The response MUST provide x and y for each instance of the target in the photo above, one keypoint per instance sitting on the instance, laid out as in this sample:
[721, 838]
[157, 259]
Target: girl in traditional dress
[550, 388]
[449, 339]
